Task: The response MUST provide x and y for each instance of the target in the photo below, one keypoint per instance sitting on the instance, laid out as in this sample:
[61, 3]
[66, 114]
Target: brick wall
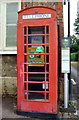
[59, 11]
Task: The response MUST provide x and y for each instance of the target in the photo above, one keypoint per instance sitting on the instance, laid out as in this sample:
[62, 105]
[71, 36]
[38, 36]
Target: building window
[8, 25]
[11, 21]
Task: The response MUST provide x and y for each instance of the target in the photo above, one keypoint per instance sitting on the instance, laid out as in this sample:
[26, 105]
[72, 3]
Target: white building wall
[78, 12]
[78, 6]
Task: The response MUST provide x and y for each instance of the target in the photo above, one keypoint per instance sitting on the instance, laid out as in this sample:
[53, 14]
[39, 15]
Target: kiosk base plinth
[37, 114]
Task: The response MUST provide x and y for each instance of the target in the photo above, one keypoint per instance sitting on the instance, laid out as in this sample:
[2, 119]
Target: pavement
[9, 108]
[9, 104]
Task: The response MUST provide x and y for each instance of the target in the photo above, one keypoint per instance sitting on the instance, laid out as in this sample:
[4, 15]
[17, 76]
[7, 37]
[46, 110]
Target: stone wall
[9, 65]
[9, 73]
[0, 75]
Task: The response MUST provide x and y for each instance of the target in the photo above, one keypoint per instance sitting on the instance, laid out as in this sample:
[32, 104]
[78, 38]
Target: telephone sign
[36, 16]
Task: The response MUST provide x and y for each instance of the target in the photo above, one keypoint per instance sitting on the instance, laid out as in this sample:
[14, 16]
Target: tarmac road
[75, 76]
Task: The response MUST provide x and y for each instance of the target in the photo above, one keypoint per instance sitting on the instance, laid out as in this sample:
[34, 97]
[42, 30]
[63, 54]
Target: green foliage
[74, 56]
[74, 43]
[76, 24]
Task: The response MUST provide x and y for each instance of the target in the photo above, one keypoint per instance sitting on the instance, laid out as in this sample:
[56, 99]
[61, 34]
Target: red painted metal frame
[50, 105]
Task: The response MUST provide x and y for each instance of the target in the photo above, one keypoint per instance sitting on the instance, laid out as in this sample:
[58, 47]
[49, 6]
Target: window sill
[7, 52]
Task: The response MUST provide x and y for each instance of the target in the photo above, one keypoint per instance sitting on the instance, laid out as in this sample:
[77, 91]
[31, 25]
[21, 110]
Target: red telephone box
[37, 61]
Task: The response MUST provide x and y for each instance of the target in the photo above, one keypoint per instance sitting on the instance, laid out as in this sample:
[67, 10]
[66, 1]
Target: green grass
[74, 56]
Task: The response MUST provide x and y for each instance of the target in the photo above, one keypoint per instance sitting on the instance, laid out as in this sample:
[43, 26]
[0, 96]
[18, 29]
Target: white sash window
[8, 23]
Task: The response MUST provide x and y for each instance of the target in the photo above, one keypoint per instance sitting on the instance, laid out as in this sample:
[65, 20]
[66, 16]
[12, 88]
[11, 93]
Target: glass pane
[47, 77]
[46, 86]
[25, 30]
[47, 29]
[11, 13]
[25, 86]
[36, 77]
[36, 69]
[47, 49]
[25, 58]
[25, 68]
[47, 96]
[35, 87]
[10, 36]
[25, 77]
[47, 58]
[36, 96]
[25, 50]
[47, 68]
[35, 39]
[36, 30]
[25, 95]
[25, 38]
[47, 39]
